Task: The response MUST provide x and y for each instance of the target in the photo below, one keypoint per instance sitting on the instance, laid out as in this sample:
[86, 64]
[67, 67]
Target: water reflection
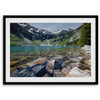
[41, 51]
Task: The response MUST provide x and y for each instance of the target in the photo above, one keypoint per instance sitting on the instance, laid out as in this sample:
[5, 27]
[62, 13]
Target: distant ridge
[24, 33]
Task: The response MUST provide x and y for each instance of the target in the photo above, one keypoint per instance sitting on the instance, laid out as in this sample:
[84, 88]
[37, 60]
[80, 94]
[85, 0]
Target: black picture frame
[49, 83]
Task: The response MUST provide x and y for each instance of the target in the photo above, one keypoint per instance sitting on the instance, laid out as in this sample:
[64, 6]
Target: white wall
[47, 7]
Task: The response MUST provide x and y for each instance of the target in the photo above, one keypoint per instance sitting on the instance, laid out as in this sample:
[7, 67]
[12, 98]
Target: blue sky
[55, 26]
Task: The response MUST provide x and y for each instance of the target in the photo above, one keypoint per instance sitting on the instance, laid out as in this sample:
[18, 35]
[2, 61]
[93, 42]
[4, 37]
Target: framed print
[50, 50]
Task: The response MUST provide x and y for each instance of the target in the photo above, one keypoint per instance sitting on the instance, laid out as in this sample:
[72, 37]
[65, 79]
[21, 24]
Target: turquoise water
[16, 49]
[21, 55]
[41, 51]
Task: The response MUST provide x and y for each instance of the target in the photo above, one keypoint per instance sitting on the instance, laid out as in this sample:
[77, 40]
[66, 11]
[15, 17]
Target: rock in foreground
[50, 66]
[57, 73]
[86, 49]
[65, 71]
[76, 72]
[37, 61]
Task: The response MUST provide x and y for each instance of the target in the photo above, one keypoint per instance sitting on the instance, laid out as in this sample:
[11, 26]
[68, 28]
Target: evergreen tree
[85, 38]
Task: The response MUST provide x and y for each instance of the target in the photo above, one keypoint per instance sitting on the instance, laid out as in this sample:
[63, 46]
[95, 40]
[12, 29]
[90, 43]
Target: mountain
[25, 34]
[67, 37]
[62, 31]
[56, 32]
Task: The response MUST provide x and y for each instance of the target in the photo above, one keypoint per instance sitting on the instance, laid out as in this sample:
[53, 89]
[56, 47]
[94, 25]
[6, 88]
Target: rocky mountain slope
[25, 34]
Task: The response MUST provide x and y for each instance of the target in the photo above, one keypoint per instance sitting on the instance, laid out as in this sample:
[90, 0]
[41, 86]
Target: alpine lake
[46, 61]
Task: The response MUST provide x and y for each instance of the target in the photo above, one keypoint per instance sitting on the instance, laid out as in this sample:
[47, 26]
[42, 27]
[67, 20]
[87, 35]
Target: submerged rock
[67, 62]
[22, 71]
[77, 64]
[57, 73]
[14, 74]
[14, 62]
[26, 73]
[58, 57]
[74, 59]
[50, 66]
[75, 54]
[58, 63]
[37, 61]
[76, 72]
[38, 69]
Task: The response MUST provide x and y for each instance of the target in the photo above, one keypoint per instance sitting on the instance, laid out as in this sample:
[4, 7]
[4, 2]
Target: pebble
[69, 65]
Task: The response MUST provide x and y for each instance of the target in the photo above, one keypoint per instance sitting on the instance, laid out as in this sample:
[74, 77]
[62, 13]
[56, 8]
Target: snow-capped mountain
[44, 31]
[56, 32]
[33, 29]
[24, 33]
[62, 31]
[25, 30]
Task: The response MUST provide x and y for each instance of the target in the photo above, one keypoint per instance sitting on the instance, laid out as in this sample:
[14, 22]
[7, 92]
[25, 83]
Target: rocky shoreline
[70, 65]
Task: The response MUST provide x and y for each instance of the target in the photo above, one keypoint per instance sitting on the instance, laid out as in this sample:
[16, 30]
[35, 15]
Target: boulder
[74, 59]
[37, 61]
[88, 71]
[70, 53]
[75, 54]
[76, 72]
[58, 57]
[67, 62]
[88, 52]
[58, 63]
[22, 71]
[58, 73]
[68, 57]
[86, 48]
[46, 75]
[32, 75]
[88, 63]
[14, 74]
[37, 69]
[26, 73]
[80, 58]
[65, 71]
[83, 67]
[50, 66]
[77, 64]
[14, 62]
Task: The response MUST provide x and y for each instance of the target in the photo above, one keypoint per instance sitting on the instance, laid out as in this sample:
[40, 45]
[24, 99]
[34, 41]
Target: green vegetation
[13, 43]
[62, 39]
[22, 32]
[78, 37]
[37, 42]
[85, 38]
[14, 40]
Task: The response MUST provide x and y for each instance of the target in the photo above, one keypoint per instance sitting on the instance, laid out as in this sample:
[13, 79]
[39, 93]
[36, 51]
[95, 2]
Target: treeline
[85, 38]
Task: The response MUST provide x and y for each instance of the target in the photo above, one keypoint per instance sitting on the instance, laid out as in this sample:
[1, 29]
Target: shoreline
[58, 66]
